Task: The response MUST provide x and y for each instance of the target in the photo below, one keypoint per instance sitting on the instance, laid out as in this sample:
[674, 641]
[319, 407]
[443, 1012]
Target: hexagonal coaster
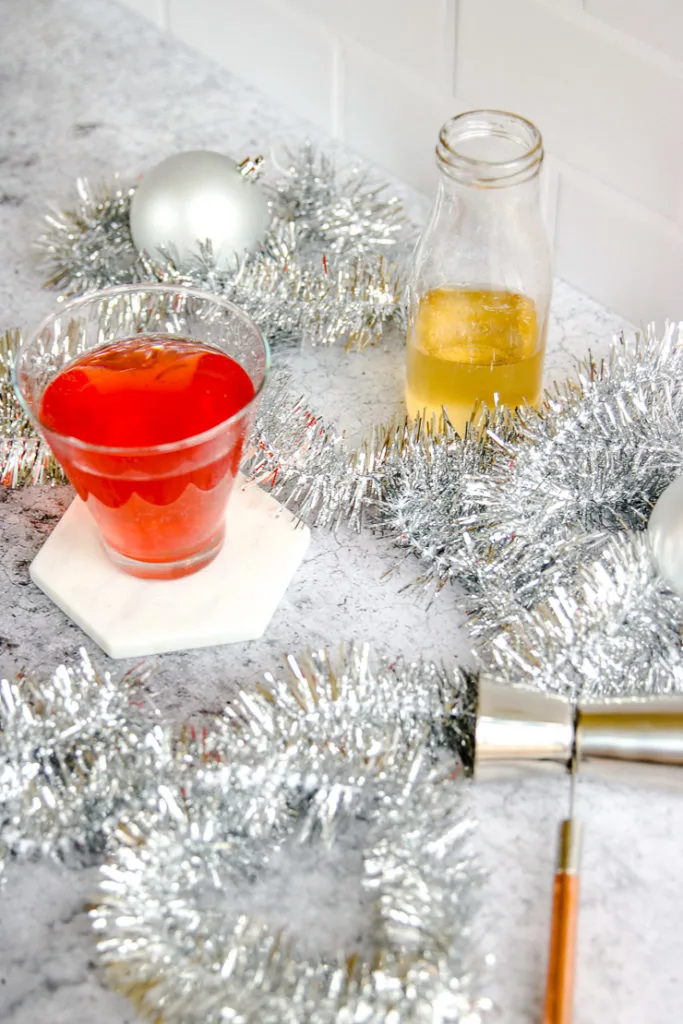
[231, 599]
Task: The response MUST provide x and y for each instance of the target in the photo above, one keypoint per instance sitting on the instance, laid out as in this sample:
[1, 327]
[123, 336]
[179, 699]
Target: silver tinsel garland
[346, 769]
[308, 465]
[66, 745]
[191, 920]
[339, 212]
[613, 631]
[320, 275]
[509, 501]
[590, 465]
[346, 701]
[90, 246]
[24, 458]
[77, 751]
[525, 513]
[408, 479]
[504, 502]
[294, 296]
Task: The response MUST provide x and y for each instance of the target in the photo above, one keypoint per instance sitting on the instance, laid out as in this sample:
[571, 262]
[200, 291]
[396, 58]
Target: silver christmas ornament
[197, 197]
[665, 531]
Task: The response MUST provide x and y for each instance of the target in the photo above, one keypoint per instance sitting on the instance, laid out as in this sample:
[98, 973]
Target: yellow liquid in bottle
[469, 345]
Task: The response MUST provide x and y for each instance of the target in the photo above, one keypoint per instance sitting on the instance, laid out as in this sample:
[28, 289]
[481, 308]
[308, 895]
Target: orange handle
[559, 995]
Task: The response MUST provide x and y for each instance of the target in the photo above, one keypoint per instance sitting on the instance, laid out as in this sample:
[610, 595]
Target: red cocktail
[148, 424]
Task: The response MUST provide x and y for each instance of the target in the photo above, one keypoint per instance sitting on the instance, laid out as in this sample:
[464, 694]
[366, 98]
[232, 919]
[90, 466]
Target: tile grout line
[452, 33]
[337, 90]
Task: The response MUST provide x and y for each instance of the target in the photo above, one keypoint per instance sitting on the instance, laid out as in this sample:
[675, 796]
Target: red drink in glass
[145, 393]
[150, 392]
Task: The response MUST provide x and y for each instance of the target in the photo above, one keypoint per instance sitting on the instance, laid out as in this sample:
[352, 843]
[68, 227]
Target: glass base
[166, 570]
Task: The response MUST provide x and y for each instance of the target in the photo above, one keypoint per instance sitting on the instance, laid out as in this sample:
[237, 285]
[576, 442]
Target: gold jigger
[520, 731]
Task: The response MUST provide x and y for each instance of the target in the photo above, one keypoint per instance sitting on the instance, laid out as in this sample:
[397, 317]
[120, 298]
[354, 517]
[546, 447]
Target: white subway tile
[155, 10]
[656, 22]
[416, 35]
[392, 118]
[279, 51]
[618, 252]
[602, 106]
[572, 5]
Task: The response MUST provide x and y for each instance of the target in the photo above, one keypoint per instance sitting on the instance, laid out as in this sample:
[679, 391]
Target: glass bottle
[481, 282]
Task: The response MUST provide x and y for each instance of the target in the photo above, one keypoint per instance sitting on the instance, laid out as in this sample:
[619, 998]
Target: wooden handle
[559, 996]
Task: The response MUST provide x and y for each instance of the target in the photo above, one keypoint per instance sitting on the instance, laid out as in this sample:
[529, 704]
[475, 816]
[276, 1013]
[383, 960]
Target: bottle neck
[489, 150]
[526, 193]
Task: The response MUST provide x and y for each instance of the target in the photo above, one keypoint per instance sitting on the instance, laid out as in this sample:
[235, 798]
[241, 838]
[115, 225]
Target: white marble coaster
[231, 599]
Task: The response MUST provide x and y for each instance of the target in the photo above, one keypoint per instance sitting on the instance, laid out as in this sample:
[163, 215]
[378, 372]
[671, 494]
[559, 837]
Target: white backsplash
[603, 79]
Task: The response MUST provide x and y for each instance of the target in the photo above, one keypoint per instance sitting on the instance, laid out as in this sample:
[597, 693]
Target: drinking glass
[160, 509]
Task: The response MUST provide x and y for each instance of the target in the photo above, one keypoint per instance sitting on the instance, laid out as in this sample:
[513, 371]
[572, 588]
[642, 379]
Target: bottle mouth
[489, 149]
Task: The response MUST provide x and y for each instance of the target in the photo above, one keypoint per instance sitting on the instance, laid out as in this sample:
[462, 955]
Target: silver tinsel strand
[320, 275]
[24, 458]
[347, 700]
[189, 918]
[614, 632]
[310, 467]
[66, 747]
[590, 465]
[428, 488]
[77, 753]
[338, 212]
[295, 296]
[90, 246]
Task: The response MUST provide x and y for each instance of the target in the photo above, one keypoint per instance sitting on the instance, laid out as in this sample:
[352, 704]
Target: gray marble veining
[87, 88]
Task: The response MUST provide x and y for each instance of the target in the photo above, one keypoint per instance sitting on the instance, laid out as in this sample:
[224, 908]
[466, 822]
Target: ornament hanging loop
[251, 167]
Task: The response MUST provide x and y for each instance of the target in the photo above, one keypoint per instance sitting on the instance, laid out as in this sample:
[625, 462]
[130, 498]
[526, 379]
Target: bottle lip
[512, 131]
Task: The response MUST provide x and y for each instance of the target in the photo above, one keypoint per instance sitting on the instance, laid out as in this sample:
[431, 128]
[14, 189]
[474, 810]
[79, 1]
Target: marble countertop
[86, 88]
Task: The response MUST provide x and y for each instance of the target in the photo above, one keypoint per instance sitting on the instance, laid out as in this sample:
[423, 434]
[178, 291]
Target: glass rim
[482, 172]
[141, 450]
